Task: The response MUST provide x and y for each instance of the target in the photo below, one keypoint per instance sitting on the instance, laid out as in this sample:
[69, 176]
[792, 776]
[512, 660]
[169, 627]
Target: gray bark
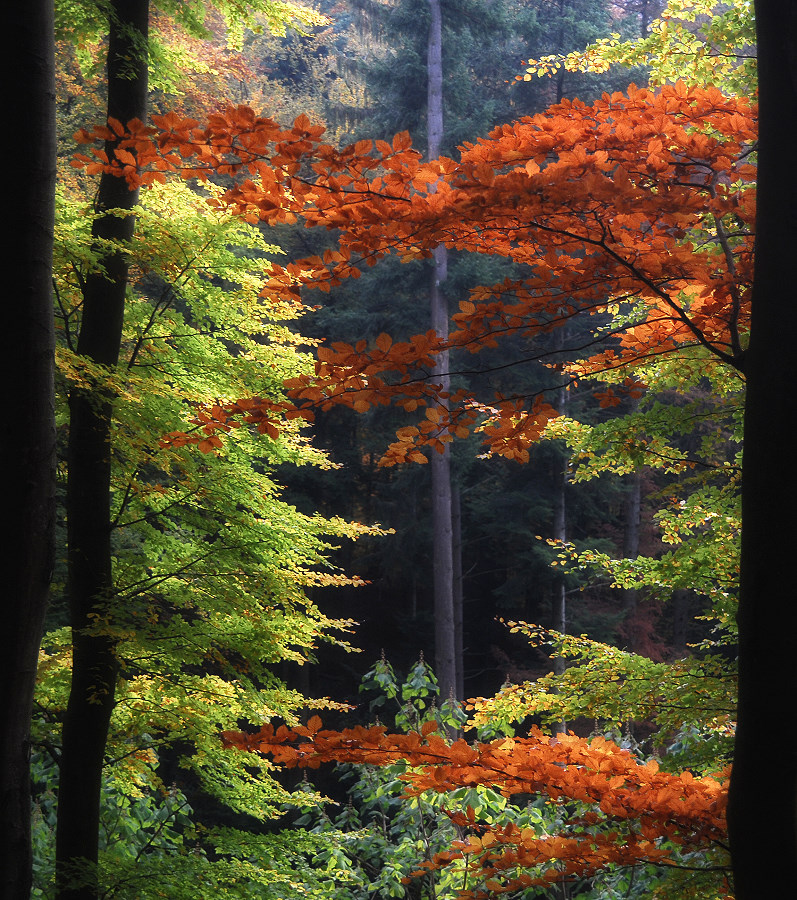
[442, 557]
[559, 597]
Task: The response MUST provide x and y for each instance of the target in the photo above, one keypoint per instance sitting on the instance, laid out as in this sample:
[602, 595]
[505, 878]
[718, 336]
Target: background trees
[501, 506]
[139, 526]
[666, 274]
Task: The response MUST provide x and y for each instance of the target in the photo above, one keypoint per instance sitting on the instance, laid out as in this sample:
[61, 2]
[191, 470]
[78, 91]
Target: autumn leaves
[621, 811]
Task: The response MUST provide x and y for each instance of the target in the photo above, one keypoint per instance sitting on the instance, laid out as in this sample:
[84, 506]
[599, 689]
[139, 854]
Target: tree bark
[459, 602]
[631, 519]
[559, 596]
[442, 523]
[28, 448]
[90, 579]
[442, 528]
[762, 812]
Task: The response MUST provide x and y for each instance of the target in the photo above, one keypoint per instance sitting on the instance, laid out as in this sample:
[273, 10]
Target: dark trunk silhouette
[28, 446]
[90, 582]
[762, 812]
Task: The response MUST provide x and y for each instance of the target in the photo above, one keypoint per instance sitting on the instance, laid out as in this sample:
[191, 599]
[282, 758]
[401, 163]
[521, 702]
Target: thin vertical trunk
[28, 448]
[631, 518]
[679, 603]
[762, 813]
[442, 525]
[456, 518]
[559, 603]
[90, 580]
[559, 600]
[559, 597]
[434, 72]
[442, 558]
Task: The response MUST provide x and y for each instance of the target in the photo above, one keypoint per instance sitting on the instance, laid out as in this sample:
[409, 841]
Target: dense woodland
[389, 474]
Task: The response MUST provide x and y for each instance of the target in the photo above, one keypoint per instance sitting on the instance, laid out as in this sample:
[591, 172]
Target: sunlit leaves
[603, 204]
[211, 566]
[702, 41]
[641, 804]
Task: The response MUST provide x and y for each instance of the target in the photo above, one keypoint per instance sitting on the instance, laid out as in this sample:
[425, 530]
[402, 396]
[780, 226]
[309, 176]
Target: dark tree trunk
[763, 795]
[28, 445]
[631, 520]
[442, 528]
[90, 581]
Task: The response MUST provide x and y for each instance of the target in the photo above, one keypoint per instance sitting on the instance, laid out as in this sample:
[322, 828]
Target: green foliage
[701, 42]
[84, 23]
[417, 699]
[151, 846]
[213, 570]
[685, 709]
[686, 430]
[379, 837]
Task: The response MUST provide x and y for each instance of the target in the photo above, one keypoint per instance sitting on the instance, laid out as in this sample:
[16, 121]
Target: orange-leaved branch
[642, 201]
[624, 811]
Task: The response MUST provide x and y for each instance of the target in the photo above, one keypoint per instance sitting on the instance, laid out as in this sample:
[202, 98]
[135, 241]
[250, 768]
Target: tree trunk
[442, 529]
[559, 597]
[762, 812]
[90, 579]
[28, 448]
[442, 525]
[459, 604]
[631, 519]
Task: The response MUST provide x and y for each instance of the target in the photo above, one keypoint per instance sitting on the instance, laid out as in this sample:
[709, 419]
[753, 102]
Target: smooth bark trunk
[459, 603]
[442, 528]
[762, 812]
[28, 447]
[559, 597]
[442, 522]
[90, 579]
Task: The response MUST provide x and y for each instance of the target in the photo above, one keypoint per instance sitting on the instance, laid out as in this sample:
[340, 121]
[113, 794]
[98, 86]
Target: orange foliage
[642, 198]
[630, 806]
[645, 197]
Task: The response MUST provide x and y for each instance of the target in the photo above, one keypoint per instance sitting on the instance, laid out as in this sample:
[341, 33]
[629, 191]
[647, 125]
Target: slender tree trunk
[442, 525]
[459, 606]
[559, 601]
[762, 812]
[680, 605]
[559, 598]
[28, 446]
[631, 519]
[90, 580]
[445, 630]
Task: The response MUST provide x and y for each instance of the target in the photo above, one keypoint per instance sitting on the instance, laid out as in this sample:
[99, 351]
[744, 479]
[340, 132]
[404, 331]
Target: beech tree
[212, 570]
[91, 586]
[650, 813]
[545, 192]
[643, 199]
[448, 650]
[92, 591]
